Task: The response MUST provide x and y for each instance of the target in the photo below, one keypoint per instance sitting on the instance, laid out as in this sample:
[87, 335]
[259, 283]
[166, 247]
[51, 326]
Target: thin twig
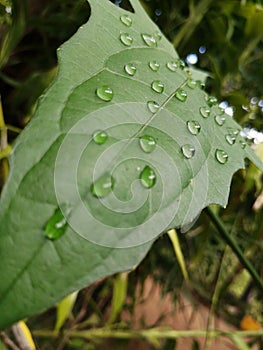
[7, 341]
[234, 246]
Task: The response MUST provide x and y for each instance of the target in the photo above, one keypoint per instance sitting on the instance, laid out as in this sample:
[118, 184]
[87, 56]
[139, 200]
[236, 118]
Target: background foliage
[227, 39]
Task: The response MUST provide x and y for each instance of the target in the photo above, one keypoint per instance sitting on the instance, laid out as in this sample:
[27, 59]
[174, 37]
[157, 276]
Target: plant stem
[160, 333]
[234, 246]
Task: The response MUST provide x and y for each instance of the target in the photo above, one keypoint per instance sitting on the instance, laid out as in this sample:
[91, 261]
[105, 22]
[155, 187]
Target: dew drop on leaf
[103, 186]
[147, 143]
[211, 101]
[148, 177]
[126, 19]
[187, 71]
[191, 83]
[149, 40]
[153, 106]
[221, 156]
[100, 137]
[157, 86]
[231, 139]
[181, 95]
[181, 64]
[130, 69]
[194, 127]
[158, 35]
[105, 93]
[126, 39]
[188, 151]
[243, 144]
[56, 225]
[154, 65]
[220, 120]
[204, 111]
[172, 66]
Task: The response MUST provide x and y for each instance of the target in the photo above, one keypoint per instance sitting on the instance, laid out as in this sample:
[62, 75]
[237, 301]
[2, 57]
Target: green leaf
[117, 75]
[239, 342]
[119, 295]
[64, 309]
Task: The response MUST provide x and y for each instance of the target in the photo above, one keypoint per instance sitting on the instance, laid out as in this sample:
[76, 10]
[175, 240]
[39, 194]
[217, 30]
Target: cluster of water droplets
[102, 187]
[151, 40]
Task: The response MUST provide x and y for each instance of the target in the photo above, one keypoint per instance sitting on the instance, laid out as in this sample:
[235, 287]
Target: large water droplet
[100, 137]
[56, 225]
[221, 156]
[126, 39]
[157, 86]
[231, 139]
[147, 143]
[149, 40]
[105, 93]
[103, 186]
[148, 177]
[188, 151]
[130, 69]
[191, 83]
[181, 95]
[172, 66]
[126, 19]
[220, 119]
[194, 127]
[211, 101]
[154, 65]
[153, 106]
[204, 111]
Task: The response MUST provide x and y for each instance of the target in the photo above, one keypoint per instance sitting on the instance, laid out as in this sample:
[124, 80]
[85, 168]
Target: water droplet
[172, 66]
[231, 139]
[243, 144]
[187, 71]
[188, 151]
[201, 84]
[157, 86]
[211, 101]
[191, 83]
[204, 111]
[221, 110]
[130, 69]
[126, 39]
[149, 40]
[148, 177]
[233, 131]
[158, 35]
[154, 65]
[153, 106]
[194, 127]
[220, 119]
[180, 64]
[126, 19]
[221, 156]
[56, 225]
[181, 95]
[147, 143]
[105, 93]
[100, 137]
[103, 186]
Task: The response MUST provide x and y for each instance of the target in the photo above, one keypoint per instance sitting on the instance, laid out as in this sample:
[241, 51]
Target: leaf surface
[162, 161]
